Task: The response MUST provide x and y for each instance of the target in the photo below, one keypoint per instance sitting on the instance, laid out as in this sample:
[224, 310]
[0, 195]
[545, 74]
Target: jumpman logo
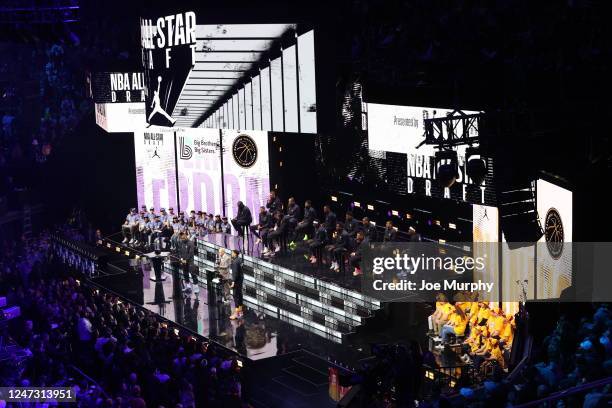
[156, 105]
[485, 215]
[155, 154]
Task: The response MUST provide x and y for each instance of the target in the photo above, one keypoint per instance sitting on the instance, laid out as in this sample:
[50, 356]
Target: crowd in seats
[577, 352]
[136, 359]
[486, 331]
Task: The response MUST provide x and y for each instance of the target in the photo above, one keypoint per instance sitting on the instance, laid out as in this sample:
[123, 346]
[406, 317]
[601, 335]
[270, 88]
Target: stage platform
[288, 310]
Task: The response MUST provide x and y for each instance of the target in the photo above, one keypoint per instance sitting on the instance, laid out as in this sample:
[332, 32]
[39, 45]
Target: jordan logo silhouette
[156, 106]
[155, 154]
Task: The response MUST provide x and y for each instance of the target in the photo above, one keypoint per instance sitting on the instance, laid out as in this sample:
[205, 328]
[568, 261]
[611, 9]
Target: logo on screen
[186, 152]
[244, 150]
[553, 232]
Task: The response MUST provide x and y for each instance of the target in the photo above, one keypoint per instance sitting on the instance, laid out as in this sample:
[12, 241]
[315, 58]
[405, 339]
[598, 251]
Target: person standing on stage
[186, 249]
[305, 226]
[223, 265]
[243, 219]
[236, 284]
[274, 203]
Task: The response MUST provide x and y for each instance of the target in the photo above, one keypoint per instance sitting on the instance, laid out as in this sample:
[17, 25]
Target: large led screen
[246, 170]
[155, 167]
[198, 155]
[554, 250]
[396, 134]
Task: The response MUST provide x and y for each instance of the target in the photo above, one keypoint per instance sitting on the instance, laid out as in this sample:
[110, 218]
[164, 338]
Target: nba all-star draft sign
[168, 56]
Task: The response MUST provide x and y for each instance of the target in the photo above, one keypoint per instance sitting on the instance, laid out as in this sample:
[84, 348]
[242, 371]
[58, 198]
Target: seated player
[210, 223]
[217, 223]
[225, 227]
[243, 219]
[304, 227]
[129, 226]
[265, 222]
[338, 247]
[293, 216]
[142, 236]
[355, 255]
[156, 229]
[390, 233]
[351, 226]
[318, 242]
[277, 233]
[369, 229]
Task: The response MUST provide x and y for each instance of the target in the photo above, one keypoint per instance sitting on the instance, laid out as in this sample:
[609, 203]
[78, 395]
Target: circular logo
[553, 232]
[244, 150]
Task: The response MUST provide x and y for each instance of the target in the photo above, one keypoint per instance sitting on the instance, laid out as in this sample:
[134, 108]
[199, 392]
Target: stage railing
[448, 378]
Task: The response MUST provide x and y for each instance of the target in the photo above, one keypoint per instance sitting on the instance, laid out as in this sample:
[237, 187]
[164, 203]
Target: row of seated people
[486, 330]
[327, 237]
[146, 227]
[276, 225]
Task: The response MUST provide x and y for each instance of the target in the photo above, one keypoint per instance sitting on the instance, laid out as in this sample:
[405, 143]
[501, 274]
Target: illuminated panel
[554, 261]
[246, 174]
[266, 103]
[227, 31]
[241, 110]
[199, 169]
[306, 80]
[276, 79]
[155, 167]
[256, 104]
[290, 90]
[236, 113]
[230, 111]
[248, 111]
[485, 233]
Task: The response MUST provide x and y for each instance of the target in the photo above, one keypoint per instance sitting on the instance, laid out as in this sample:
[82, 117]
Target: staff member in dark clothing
[351, 226]
[236, 284]
[368, 229]
[243, 218]
[318, 242]
[186, 250]
[274, 203]
[355, 255]
[339, 245]
[390, 233]
[330, 220]
[304, 227]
